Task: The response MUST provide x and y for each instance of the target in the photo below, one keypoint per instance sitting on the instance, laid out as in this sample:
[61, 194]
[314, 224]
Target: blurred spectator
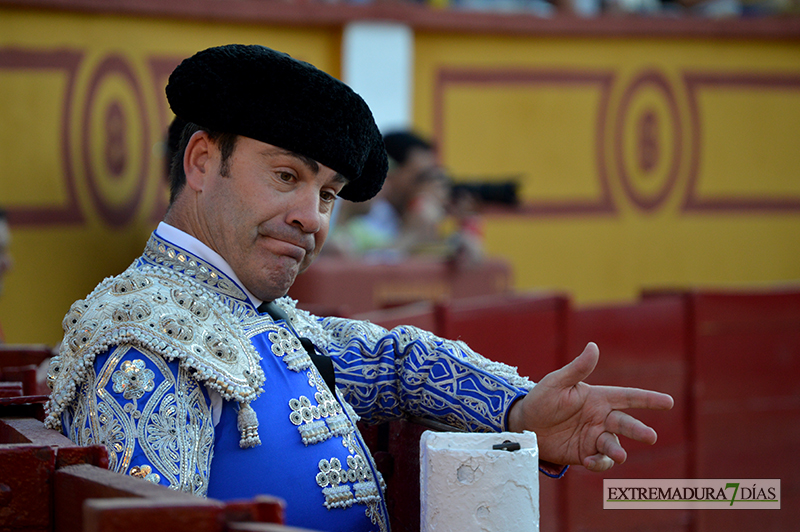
[591, 8]
[409, 215]
[6, 262]
[729, 8]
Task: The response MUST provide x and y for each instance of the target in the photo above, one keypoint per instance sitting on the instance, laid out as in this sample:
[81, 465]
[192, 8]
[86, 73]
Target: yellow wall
[643, 162]
[63, 247]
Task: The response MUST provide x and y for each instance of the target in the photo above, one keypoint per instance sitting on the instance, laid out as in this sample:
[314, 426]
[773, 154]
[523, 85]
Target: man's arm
[152, 416]
[577, 423]
[410, 372]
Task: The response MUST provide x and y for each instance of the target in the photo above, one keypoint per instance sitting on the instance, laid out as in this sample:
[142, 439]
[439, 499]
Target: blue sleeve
[410, 372]
[152, 416]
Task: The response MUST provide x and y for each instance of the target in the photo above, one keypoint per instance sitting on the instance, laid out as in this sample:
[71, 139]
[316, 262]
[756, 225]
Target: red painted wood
[420, 314]
[354, 287]
[261, 509]
[26, 488]
[76, 484]
[746, 365]
[642, 345]
[527, 331]
[23, 354]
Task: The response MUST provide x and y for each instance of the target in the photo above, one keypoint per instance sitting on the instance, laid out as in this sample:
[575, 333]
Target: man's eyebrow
[308, 161]
[311, 163]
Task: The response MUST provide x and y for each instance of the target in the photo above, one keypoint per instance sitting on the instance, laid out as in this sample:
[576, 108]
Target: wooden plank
[75, 484]
[30, 430]
[260, 509]
[166, 515]
[23, 354]
[25, 488]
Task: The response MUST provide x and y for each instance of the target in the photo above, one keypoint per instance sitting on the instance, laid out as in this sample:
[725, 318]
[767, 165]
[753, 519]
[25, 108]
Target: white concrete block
[466, 486]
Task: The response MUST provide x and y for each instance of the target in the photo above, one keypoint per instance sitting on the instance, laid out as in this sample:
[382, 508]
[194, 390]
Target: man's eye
[286, 177]
[327, 197]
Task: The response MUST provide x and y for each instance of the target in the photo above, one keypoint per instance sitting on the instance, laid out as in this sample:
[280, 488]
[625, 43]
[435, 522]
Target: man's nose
[305, 211]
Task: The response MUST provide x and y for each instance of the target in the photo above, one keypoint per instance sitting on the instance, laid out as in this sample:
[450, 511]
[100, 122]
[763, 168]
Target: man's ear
[197, 160]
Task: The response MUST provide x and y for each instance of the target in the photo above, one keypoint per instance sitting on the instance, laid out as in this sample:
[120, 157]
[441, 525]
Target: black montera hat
[266, 95]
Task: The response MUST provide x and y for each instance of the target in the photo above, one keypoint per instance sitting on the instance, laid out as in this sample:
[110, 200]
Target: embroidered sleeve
[152, 416]
[408, 371]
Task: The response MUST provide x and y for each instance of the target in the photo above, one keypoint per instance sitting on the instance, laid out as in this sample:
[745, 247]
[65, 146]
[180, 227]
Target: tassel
[248, 426]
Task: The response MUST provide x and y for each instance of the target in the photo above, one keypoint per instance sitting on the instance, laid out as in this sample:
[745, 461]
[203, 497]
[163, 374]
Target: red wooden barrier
[730, 360]
[528, 331]
[29, 456]
[642, 345]
[420, 314]
[21, 364]
[746, 376]
[47, 484]
[352, 287]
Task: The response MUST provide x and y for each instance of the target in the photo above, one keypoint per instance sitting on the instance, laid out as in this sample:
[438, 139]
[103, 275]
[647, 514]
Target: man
[405, 217]
[194, 370]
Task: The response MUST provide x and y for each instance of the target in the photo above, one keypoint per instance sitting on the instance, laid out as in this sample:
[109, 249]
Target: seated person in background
[410, 214]
[6, 262]
[197, 373]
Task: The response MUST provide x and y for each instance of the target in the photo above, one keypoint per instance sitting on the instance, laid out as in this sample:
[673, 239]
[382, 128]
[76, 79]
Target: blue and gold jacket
[174, 371]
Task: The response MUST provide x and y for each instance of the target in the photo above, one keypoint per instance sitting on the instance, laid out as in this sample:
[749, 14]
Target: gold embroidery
[145, 472]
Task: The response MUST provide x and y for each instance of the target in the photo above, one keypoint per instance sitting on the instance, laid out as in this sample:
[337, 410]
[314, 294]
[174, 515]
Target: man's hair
[400, 144]
[177, 177]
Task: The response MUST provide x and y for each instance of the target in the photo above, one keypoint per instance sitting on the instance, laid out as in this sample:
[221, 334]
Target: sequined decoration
[133, 380]
[145, 472]
[173, 429]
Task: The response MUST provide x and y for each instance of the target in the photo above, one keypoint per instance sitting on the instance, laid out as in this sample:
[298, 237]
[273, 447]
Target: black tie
[323, 363]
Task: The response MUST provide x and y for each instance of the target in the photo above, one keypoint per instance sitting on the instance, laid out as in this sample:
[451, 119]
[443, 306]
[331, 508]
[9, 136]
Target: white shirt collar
[199, 249]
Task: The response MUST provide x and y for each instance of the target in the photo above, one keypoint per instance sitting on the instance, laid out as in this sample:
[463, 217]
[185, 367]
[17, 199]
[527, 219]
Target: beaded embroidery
[175, 435]
[156, 305]
[317, 423]
[334, 480]
[327, 418]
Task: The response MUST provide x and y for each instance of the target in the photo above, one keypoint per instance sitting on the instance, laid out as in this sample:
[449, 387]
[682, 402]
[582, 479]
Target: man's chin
[274, 284]
[307, 262]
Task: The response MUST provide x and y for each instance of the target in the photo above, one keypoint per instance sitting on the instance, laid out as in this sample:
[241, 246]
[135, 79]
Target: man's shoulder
[167, 314]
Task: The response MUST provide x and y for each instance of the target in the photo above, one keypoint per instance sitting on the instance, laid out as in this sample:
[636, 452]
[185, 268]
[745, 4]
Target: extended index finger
[620, 398]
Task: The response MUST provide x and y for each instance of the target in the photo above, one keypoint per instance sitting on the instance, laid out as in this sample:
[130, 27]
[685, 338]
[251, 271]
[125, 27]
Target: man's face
[268, 216]
[5, 257]
[402, 184]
